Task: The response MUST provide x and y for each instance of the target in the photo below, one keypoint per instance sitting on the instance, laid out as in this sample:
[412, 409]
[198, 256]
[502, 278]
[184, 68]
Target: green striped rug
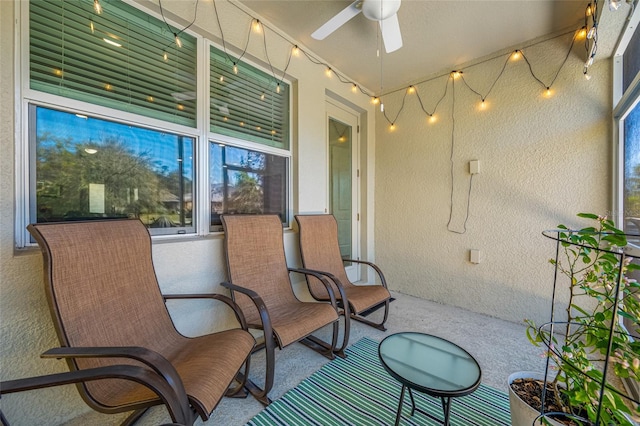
[358, 391]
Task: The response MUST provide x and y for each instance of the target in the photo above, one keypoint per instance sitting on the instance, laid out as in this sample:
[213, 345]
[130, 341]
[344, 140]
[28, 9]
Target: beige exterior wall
[542, 161]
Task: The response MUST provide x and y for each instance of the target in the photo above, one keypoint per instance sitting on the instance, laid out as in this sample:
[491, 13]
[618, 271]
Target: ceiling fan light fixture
[379, 10]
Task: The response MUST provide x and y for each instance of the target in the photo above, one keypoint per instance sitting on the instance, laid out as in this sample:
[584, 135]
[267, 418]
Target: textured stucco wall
[194, 265]
[542, 161]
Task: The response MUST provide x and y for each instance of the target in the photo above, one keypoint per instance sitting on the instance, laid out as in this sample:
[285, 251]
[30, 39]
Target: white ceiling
[437, 35]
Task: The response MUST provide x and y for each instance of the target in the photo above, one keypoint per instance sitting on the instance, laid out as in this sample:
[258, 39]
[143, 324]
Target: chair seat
[287, 320]
[219, 355]
[363, 297]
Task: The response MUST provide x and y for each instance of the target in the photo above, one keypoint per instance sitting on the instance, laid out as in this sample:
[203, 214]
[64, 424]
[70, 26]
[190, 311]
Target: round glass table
[431, 365]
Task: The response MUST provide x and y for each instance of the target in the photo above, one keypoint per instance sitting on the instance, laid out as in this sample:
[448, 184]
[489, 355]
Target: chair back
[320, 250]
[102, 289]
[256, 260]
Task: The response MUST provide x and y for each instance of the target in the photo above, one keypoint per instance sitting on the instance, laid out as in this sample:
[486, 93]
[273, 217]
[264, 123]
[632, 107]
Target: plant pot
[522, 414]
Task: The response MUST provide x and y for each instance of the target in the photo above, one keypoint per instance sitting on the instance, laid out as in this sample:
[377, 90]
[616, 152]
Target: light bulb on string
[178, 41]
[257, 26]
[97, 6]
[548, 92]
[328, 72]
[295, 50]
[592, 32]
[432, 118]
[582, 33]
[392, 127]
[381, 106]
[589, 10]
[483, 104]
[456, 74]
[587, 76]
[278, 88]
[375, 100]
[411, 90]
[235, 68]
[354, 88]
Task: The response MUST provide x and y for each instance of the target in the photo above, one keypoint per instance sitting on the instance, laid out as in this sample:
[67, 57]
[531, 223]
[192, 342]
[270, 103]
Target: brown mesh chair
[177, 403]
[320, 251]
[260, 283]
[107, 309]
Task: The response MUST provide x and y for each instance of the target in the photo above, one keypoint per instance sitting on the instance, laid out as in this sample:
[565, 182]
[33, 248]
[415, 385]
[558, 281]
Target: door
[343, 181]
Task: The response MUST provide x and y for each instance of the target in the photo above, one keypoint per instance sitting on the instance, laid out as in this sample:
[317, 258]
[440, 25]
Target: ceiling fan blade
[390, 29]
[337, 21]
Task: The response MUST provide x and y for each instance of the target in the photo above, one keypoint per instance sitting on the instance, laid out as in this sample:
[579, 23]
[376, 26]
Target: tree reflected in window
[88, 168]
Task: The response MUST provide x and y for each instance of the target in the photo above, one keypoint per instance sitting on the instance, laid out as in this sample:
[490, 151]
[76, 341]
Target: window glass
[246, 182]
[250, 104]
[121, 58]
[86, 168]
[631, 187]
[631, 60]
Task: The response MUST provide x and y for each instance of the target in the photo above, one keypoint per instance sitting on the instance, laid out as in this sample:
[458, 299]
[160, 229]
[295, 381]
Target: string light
[392, 127]
[97, 6]
[180, 107]
[108, 87]
[587, 76]
[582, 33]
[257, 26]
[57, 72]
[587, 31]
[165, 56]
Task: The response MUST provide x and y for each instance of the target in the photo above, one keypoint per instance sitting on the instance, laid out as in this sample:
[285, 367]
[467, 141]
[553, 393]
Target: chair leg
[134, 417]
[380, 325]
[240, 391]
[262, 395]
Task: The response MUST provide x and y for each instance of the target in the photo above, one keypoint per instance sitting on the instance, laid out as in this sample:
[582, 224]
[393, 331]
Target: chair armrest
[257, 301]
[372, 265]
[177, 403]
[233, 305]
[321, 277]
[153, 359]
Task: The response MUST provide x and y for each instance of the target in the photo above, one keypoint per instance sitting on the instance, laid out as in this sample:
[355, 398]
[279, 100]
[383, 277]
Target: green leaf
[587, 215]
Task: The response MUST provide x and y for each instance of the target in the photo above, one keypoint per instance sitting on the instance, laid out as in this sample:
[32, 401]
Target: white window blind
[248, 105]
[114, 59]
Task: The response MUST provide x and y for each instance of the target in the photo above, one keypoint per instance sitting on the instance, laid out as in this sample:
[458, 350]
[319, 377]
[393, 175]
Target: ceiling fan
[383, 11]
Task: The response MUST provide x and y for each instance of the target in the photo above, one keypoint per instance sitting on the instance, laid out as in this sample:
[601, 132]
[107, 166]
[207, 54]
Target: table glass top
[429, 362]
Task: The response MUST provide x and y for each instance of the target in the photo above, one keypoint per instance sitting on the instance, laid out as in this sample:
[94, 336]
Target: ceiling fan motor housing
[379, 10]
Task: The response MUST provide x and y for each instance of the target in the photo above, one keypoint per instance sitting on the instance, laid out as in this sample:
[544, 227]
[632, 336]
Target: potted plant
[589, 351]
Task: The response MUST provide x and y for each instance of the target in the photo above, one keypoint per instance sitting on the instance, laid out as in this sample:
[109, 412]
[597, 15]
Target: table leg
[446, 404]
[413, 403]
[399, 414]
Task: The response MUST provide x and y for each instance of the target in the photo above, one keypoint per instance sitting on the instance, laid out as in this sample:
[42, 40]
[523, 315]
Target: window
[246, 182]
[89, 168]
[113, 128]
[122, 58]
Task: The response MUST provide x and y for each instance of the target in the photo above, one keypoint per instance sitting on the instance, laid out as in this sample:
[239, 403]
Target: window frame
[25, 96]
[623, 104]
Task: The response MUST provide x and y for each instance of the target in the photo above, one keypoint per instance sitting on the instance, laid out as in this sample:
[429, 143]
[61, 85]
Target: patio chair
[107, 309]
[260, 284]
[175, 400]
[320, 251]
